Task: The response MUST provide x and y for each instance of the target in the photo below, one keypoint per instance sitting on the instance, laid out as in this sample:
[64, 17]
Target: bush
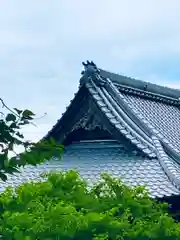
[62, 206]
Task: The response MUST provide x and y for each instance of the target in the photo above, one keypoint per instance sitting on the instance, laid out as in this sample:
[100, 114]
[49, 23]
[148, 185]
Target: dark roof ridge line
[121, 128]
[139, 84]
[147, 94]
[121, 101]
[127, 119]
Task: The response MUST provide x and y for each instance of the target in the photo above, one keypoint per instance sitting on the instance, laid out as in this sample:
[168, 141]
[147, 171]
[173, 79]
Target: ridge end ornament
[91, 72]
[90, 67]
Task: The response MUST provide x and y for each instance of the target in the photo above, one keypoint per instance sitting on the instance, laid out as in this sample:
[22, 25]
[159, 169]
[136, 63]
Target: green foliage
[63, 207]
[11, 136]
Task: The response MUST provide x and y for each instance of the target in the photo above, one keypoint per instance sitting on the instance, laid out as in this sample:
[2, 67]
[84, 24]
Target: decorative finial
[90, 67]
[91, 72]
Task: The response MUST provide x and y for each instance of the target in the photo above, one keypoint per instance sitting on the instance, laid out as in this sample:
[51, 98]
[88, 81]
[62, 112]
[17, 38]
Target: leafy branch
[11, 136]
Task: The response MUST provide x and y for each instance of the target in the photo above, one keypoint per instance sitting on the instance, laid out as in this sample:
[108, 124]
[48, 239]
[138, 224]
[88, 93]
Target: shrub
[62, 206]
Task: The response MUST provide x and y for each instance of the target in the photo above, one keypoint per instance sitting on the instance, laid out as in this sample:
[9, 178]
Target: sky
[43, 44]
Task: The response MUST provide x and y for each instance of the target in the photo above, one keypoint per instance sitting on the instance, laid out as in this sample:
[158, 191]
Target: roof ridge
[141, 85]
[167, 163]
[146, 94]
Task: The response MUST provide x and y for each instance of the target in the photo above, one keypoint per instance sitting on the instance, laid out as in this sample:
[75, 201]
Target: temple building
[126, 127]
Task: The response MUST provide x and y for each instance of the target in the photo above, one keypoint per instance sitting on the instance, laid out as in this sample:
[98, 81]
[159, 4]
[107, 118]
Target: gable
[90, 119]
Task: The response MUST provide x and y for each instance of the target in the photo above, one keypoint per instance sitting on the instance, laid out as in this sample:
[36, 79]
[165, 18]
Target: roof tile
[134, 170]
[163, 117]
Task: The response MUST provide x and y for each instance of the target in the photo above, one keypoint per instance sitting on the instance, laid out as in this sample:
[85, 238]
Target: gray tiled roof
[146, 114]
[90, 159]
[164, 117]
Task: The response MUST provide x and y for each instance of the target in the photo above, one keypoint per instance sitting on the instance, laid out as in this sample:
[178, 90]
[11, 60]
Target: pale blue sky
[43, 42]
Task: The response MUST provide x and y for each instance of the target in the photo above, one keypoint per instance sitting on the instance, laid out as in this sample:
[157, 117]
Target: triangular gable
[92, 106]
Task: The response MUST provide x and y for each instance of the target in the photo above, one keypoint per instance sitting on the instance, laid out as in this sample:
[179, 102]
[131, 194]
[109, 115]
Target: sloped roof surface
[164, 117]
[158, 105]
[92, 158]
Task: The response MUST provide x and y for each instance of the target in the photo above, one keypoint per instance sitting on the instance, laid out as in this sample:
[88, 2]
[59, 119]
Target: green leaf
[28, 144]
[17, 141]
[62, 207]
[18, 111]
[10, 117]
[52, 141]
[13, 161]
[11, 146]
[24, 122]
[3, 176]
[14, 125]
[19, 135]
[27, 113]
[11, 170]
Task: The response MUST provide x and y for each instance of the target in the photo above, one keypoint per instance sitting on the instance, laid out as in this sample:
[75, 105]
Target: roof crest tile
[167, 164]
[149, 95]
[125, 130]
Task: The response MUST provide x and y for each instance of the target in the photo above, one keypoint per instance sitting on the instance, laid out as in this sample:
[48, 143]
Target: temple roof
[142, 117]
[90, 158]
